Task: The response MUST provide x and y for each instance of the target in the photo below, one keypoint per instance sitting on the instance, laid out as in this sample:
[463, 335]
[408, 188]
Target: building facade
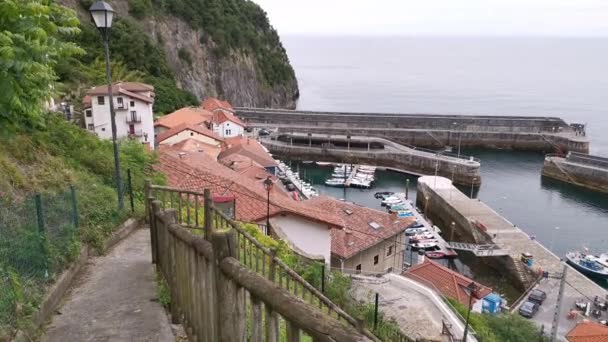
[133, 107]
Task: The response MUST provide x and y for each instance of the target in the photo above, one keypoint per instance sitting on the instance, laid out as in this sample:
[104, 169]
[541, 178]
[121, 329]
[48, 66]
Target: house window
[376, 259]
[191, 134]
[390, 250]
[90, 127]
[228, 132]
[101, 100]
[103, 129]
[358, 269]
[132, 103]
[119, 101]
[89, 113]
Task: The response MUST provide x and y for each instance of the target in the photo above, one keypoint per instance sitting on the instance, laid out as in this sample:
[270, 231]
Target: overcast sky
[439, 17]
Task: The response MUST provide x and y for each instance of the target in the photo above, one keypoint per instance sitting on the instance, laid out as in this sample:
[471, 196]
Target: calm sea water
[518, 76]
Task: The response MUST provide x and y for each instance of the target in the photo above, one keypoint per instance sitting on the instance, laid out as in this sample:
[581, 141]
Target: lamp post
[473, 185]
[459, 135]
[268, 186]
[471, 288]
[102, 14]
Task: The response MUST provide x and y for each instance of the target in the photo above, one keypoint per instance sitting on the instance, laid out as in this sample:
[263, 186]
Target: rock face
[236, 77]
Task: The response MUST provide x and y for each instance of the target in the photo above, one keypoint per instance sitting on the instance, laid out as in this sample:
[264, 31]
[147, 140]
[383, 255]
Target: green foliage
[184, 55]
[32, 36]
[170, 98]
[162, 291]
[236, 25]
[499, 328]
[140, 8]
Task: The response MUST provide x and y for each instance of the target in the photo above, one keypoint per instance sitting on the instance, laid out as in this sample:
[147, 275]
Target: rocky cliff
[226, 59]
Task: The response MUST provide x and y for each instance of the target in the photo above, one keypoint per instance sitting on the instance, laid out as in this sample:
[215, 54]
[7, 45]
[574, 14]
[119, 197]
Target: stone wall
[587, 176]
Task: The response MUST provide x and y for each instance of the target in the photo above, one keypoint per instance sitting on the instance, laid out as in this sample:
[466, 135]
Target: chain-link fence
[39, 237]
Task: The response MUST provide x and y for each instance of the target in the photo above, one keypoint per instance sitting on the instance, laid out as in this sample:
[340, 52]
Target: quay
[534, 133]
[374, 151]
[477, 223]
[579, 169]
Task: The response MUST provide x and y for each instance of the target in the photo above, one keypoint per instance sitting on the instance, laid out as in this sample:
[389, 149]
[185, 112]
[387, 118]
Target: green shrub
[140, 8]
[184, 55]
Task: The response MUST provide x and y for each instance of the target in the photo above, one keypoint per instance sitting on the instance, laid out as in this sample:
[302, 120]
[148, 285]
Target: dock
[580, 169]
[446, 201]
[350, 177]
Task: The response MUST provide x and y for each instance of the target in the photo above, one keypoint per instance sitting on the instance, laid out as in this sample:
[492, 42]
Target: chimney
[182, 155]
[348, 236]
[393, 216]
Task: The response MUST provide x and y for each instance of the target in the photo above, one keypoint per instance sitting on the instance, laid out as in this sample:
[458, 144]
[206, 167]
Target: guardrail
[195, 219]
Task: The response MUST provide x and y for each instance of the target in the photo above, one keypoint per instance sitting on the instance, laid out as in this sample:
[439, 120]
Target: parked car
[528, 309]
[537, 296]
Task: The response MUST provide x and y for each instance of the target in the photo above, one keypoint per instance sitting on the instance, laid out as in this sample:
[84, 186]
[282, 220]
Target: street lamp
[102, 14]
[470, 289]
[268, 186]
[426, 206]
[459, 136]
[472, 185]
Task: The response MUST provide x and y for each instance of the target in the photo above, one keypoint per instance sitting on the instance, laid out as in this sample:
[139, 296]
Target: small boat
[414, 231]
[434, 255]
[383, 193]
[422, 236]
[392, 201]
[335, 182]
[417, 225]
[404, 213]
[356, 183]
[324, 163]
[427, 246]
[307, 162]
[592, 265]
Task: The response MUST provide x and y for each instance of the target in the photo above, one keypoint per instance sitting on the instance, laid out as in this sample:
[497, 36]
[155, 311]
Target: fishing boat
[434, 255]
[404, 213]
[422, 236]
[592, 265]
[357, 183]
[392, 200]
[427, 246]
[324, 163]
[383, 193]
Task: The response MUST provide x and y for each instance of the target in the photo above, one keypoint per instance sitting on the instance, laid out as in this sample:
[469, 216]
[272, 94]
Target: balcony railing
[121, 106]
[133, 118]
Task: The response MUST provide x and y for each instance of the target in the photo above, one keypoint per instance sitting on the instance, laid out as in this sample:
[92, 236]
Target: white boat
[356, 183]
[334, 182]
[324, 163]
[414, 231]
[427, 246]
[391, 201]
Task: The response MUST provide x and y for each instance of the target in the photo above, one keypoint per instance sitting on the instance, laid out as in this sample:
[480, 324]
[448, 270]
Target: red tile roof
[193, 145]
[180, 128]
[220, 116]
[132, 89]
[211, 104]
[186, 115]
[588, 332]
[450, 283]
[357, 234]
[196, 171]
[249, 148]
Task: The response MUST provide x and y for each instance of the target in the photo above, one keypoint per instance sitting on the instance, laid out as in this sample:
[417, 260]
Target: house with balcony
[133, 107]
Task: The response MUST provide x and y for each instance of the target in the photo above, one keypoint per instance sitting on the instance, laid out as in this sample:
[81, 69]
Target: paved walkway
[114, 299]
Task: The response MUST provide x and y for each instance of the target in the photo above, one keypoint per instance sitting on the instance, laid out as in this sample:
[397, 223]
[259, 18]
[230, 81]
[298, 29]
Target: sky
[439, 17]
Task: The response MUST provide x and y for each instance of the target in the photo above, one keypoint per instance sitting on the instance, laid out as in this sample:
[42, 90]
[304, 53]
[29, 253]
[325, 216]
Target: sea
[536, 76]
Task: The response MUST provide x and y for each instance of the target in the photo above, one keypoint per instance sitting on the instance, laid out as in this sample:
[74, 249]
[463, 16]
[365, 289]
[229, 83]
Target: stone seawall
[436, 131]
[464, 172]
[594, 177]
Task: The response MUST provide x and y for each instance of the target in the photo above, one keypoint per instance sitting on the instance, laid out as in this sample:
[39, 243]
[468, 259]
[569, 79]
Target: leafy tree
[32, 39]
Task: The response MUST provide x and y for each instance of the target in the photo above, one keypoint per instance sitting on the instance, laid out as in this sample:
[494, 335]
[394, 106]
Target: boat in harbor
[324, 163]
[427, 246]
[422, 236]
[381, 194]
[414, 231]
[596, 266]
[335, 182]
[434, 255]
[391, 200]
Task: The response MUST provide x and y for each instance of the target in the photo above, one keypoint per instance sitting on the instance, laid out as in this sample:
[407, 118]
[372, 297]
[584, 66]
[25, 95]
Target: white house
[133, 108]
[224, 123]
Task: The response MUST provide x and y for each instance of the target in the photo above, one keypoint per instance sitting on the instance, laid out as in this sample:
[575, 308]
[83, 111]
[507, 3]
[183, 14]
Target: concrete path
[114, 299]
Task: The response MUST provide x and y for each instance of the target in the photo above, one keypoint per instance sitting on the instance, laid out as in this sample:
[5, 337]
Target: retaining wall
[588, 176]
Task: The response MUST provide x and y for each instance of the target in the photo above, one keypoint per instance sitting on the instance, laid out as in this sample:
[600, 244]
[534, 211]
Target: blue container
[491, 304]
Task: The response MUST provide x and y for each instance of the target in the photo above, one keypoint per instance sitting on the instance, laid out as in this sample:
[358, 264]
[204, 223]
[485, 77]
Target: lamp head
[102, 14]
[268, 184]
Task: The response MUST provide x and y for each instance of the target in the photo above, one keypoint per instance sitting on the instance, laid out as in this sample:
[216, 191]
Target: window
[191, 134]
[358, 269]
[390, 250]
[132, 103]
[119, 101]
[376, 259]
[101, 100]
[103, 129]
[90, 127]
[228, 132]
[89, 113]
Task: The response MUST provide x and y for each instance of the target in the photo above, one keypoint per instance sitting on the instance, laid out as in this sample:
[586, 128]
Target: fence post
[207, 212]
[129, 180]
[376, 313]
[147, 203]
[272, 318]
[323, 277]
[74, 206]
[154, 211]
[41, 231]
[230, 299]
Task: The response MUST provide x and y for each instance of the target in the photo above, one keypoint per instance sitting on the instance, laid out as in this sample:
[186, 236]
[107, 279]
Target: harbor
[446, 203]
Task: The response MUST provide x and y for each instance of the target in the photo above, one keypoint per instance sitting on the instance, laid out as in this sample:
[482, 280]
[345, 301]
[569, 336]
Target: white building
[133, 107]
[224, 123]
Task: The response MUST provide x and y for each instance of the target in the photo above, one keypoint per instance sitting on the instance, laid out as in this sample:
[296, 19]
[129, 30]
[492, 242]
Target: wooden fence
[226, 286]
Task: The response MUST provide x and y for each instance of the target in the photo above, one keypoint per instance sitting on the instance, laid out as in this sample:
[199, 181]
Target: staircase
[523, 273]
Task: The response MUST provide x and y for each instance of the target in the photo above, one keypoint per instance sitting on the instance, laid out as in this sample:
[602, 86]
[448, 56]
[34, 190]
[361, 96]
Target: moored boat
[434, 255]
[596, 266]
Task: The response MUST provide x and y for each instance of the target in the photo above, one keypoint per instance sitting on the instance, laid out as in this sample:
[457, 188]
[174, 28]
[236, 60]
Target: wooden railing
[220, 278]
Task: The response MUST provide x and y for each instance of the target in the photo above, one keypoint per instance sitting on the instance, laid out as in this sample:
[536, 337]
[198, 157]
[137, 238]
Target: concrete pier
[373, 151]
[579, 169]
[431, 130]
[476, 222]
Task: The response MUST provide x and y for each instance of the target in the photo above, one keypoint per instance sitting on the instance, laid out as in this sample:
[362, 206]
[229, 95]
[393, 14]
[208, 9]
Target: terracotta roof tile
[193, 145]
[220, 116]
[132, 89]
[211, 104]
[450, 283]
[588, 332]
[195, 128]
[187, 115]
[357, 234]
[249, 148]
[196, 171]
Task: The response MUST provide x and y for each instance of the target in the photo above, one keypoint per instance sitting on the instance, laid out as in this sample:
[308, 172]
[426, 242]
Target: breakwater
[579, 169]
[374, 151]
[430, 130]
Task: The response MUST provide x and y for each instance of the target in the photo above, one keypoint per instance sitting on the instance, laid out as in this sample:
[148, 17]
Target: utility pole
[558, 305]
